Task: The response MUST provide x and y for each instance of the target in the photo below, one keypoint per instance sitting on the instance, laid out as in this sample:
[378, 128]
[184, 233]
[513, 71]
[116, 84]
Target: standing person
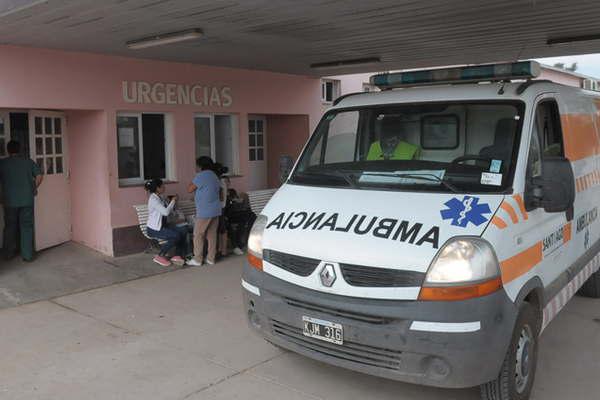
[206, 186]
[156, 227]
[20, 177]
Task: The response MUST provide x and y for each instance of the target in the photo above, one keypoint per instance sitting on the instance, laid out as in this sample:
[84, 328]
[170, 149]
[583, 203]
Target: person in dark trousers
[19, 177]
[156, 227]
[239, 220]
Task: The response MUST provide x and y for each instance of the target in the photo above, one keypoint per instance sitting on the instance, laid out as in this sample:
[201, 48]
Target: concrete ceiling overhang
[290, 35]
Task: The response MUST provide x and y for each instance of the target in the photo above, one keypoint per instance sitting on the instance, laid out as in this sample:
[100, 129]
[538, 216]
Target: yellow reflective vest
[403, 151]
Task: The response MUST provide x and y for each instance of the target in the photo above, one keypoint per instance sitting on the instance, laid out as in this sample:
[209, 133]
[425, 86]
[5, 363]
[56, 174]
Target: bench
[188, 208]
[259, 198]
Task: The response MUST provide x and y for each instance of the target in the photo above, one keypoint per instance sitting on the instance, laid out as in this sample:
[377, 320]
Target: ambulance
[430, 231]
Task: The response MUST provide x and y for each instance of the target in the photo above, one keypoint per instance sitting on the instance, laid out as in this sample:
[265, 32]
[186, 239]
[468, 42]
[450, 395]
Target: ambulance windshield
[454, 146]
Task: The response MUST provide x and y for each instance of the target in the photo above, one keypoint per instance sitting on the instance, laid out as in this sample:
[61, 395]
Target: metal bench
[259, 198]
[188, 208]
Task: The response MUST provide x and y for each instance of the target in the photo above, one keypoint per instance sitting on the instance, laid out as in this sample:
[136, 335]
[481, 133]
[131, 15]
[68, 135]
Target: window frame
[235, 142]
[169, 145]
[335, 90]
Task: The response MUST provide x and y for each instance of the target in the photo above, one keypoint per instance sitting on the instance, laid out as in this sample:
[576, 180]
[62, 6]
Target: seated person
[239, 219]
[156, 227]
[390, 146]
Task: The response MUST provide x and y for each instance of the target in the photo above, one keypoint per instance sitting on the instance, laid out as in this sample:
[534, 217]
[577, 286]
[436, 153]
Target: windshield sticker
[489, 178]
[465, 211]
[383, 228]
[495, 166]
[429, 177]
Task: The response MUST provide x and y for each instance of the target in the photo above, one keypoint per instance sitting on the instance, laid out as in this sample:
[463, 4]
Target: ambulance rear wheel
[591, 287]
[518, 369]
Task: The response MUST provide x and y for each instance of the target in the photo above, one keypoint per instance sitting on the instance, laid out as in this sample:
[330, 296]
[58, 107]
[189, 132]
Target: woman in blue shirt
[207, 195]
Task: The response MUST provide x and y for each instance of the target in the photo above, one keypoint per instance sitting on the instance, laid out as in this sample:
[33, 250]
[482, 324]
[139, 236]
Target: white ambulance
[429, 232]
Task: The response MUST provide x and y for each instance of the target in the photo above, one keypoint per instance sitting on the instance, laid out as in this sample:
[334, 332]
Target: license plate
[323, 330]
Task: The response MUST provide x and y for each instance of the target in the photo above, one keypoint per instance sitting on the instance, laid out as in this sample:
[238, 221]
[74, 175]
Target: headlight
[255, 249]
[463, 268]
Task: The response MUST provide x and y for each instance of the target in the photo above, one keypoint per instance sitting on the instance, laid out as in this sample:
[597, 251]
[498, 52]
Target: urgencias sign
[173, 93]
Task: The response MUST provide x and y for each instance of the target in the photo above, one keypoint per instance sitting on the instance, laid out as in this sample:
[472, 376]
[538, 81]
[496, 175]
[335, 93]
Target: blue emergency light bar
[476, 73]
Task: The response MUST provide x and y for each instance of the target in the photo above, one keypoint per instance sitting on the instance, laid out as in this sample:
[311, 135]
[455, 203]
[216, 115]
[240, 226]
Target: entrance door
[48, 144]
[257, 153]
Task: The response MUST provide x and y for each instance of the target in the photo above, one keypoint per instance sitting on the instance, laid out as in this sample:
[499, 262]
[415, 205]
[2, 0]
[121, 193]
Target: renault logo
[327, 275]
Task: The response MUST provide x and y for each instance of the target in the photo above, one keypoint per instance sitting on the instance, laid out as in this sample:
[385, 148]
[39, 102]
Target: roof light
[476, 73]
[164, 38]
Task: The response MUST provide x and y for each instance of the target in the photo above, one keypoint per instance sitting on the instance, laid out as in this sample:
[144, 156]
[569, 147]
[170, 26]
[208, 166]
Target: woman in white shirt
[156, 228]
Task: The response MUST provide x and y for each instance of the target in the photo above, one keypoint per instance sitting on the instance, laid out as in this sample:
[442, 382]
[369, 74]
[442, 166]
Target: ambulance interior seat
[501, 149]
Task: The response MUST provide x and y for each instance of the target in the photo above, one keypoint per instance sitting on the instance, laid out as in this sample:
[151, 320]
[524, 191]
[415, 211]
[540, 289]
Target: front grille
[336, 312]
[349, 351]
[298, 265]
[359, 275]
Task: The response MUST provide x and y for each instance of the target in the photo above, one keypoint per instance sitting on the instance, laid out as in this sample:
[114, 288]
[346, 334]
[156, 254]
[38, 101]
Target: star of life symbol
[465, 211]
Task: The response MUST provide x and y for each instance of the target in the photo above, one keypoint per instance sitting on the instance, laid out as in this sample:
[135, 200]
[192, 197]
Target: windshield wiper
[424, 177]
[338, 173]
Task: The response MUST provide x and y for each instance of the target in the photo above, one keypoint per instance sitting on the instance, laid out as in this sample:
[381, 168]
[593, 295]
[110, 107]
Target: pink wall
[49, 79]
[88, 159]
[286, 135]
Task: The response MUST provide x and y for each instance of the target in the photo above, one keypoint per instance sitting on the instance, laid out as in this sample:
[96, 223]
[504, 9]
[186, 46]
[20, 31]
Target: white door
[257, 153]
[48, 144]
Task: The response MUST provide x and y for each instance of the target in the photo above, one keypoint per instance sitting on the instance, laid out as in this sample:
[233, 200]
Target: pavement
[67, 269]
[182, 335]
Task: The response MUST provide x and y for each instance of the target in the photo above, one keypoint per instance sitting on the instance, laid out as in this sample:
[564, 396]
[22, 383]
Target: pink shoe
[178, 260]
[160, 260]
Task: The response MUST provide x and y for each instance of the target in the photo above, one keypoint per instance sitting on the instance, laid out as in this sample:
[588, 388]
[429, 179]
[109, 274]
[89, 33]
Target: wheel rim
[523, 366]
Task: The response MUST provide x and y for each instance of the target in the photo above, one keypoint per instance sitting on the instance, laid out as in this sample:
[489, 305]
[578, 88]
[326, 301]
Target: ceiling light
[164, 38]
[571, 39]
[17, 8]
[358, 62]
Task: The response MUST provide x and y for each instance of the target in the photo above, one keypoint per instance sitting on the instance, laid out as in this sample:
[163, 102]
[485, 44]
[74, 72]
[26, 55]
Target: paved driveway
[182, 335]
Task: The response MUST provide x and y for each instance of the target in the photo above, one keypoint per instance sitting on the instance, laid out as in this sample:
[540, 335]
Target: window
[380, 147]
[256, 139]
[547, 124]
[546, 141]
[217, 137]
[143, 145]
[330, 90]
[49, 147]
[439, 132]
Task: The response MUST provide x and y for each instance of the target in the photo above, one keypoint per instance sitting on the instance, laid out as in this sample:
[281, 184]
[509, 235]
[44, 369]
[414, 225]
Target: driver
[390, 146]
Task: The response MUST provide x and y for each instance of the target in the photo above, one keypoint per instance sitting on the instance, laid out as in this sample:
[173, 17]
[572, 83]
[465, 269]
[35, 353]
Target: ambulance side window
[546, 141]
[549, 128]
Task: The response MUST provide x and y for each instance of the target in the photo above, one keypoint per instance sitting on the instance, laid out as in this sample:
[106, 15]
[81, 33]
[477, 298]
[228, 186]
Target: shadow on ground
[66, 269]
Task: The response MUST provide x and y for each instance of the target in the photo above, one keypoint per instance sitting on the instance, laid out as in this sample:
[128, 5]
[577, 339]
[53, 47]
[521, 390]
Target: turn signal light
[454, 293]
[256, 262]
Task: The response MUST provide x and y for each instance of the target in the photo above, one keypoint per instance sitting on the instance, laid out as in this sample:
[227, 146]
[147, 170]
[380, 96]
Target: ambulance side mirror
[554, 191]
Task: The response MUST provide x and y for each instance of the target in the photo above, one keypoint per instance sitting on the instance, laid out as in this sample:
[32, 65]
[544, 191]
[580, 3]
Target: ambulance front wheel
[591, 287]
[518, 369]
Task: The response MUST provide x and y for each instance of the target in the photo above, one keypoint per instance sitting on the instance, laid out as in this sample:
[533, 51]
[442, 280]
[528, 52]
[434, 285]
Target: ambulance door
[48, 147]
[551, 232]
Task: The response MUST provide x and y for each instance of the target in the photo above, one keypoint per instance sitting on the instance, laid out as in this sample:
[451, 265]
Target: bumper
[411, 341]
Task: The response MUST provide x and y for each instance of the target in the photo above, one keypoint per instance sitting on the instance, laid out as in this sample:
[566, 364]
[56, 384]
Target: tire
[523, 347]
[591, 287]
